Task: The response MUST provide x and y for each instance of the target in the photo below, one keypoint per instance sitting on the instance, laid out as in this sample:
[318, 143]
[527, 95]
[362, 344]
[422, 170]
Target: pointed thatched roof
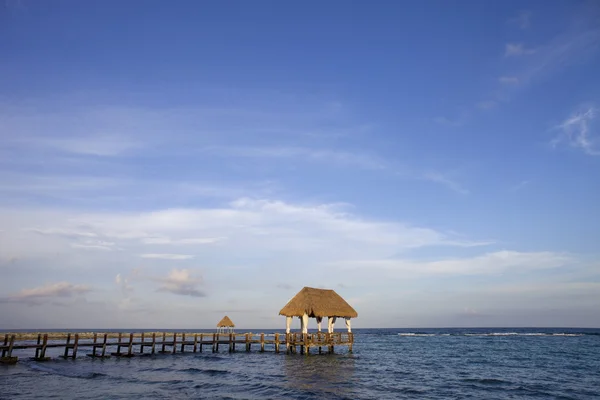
[226, 322]
[318, 303]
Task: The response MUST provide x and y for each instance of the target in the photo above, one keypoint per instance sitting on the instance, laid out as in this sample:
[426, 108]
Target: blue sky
[164, 163]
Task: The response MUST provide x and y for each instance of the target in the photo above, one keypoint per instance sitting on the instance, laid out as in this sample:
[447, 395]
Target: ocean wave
[419, 334]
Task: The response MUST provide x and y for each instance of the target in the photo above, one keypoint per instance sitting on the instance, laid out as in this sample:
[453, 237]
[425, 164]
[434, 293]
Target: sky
[164, 163]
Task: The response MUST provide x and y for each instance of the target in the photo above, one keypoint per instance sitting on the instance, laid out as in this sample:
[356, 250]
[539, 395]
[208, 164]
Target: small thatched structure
[317, 303]
[225, 325]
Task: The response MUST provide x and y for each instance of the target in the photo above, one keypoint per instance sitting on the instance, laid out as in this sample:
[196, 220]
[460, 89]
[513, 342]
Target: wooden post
[306, 349]
[247, 341]
[287, 343]
[201, 341]
[67, 345]
[44, 344]
[130, 348]
[104, 344]
[10, 346]
[5, 344]
[142, 343]
[75, 345]
[230, 342]
[351, 339]
[153, 342]
[163, 342]
[174, 343]
[233, 343]
[277, 343]
[94, 345]
[37, 349]
[215, 344]
[119, 344]
[182, 342]
[195, 342]
[262, 342]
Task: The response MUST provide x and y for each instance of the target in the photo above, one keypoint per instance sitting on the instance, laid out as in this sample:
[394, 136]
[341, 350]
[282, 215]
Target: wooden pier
[104, 345]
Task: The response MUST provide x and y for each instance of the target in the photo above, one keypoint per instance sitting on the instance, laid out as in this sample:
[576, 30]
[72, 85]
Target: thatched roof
[318, 303]
[226, 322]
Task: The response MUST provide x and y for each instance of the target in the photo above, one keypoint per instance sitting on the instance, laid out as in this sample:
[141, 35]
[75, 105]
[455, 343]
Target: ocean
[489, 363]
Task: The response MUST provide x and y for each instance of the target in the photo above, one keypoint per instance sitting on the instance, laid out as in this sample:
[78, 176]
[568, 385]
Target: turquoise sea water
[489, 363]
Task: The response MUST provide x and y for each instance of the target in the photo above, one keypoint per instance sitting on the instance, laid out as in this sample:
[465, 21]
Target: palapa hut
[317, 303]
[226, 325]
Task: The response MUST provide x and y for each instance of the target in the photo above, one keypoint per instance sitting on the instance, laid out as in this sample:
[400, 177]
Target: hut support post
[288, 323]
[331, 324]
[348, 326]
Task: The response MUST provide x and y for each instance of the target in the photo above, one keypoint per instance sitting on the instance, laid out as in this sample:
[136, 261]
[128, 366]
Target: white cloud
[181, 282]
[253, 228]
[577, 131]
[124, 286]
[168, 256]
[517, 49]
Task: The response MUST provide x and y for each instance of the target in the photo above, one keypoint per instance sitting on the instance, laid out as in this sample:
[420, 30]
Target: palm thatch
[226, 322]
[318, 303]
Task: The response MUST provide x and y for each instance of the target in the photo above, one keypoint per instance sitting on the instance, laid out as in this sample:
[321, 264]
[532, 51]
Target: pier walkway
[103, 345]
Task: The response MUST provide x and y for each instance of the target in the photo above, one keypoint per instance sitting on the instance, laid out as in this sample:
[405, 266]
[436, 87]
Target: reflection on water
[328, 373]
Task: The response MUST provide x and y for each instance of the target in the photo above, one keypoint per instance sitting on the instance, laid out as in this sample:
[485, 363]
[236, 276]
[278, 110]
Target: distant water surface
[386, 364]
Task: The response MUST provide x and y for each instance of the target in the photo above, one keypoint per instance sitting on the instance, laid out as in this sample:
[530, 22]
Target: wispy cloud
[445, 181]
[519, 186]
[517, 49]
[168, 256]
[487, 104]
[341, 158]
[487, 264]
[577, 131]
[46, 293]
[166, 240]
[522, 20]
[181, 282]
[508, 80]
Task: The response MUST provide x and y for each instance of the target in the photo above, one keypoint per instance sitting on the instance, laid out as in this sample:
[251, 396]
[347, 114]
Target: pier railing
[148, 343]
